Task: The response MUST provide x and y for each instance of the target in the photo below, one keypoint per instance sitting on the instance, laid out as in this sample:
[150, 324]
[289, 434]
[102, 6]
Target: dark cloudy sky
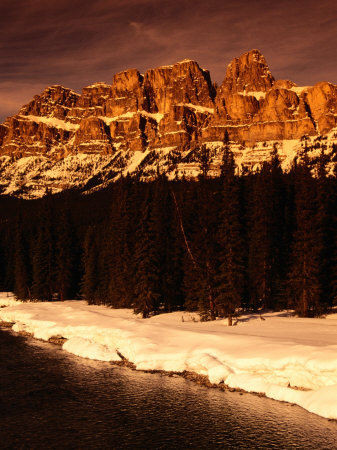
[78, 42]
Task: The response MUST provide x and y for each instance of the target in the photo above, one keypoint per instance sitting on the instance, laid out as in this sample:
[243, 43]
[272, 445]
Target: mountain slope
[63, 139]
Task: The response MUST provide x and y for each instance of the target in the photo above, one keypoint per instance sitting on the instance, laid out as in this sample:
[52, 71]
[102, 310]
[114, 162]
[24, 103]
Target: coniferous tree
[9, 260]
[44, 285]
[120, 287]
[180, 241]
[278, 233]
[105, 241]
[304, 276]
[325, 229]
[230, 279]
[163, 227]
[266, 232]
[21, 265]
[115, 248]
[203, 249]
[186, 208]
[172, 283]
[130, 219]
[2, 264]
[225, 154]
[333, 241]
[66, 273]
[147, 270]
[90, 259]
[205, 159]
[158, 230]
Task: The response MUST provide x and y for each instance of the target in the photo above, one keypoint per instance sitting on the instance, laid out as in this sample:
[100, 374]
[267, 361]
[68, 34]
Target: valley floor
[284, 357]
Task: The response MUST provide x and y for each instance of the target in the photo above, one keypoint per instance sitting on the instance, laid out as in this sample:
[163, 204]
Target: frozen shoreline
[285, 358]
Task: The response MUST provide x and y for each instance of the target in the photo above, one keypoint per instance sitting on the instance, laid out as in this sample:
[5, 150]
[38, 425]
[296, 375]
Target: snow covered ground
[7, 299]
[286, 358]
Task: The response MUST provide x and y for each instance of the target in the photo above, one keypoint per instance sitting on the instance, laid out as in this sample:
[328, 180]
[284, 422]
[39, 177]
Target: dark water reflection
[50, 399]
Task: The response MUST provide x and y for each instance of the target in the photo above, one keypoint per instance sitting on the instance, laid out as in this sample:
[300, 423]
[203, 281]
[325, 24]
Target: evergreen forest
[219, 246]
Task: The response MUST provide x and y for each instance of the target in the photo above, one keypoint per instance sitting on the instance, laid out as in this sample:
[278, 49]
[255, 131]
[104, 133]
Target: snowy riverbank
[286, 358]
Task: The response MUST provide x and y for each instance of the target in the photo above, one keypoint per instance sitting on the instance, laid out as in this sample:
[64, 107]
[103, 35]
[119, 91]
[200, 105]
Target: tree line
[262, 240]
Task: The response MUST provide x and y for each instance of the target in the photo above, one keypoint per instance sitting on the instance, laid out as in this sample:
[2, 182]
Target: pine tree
[205, 160]
[186, 214]
[266, 234]
[333, 242]
[43, 286]
[230, 280]
[9, 260]
[120, 246]
[105, 241]
[201, 257]
[163, 226]
[173, 251]
[147, 272]
[66, 276]
[2, 264]
[304, 281]
[90, 259]
[325, 229]
[21, 265]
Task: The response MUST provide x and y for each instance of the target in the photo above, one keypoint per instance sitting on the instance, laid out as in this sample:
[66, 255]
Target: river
[53, 400]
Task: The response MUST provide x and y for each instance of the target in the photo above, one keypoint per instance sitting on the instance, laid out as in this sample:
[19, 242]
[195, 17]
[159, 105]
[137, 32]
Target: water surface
[51, 399]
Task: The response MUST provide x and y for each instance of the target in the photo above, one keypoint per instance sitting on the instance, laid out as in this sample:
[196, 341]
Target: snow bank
[8, 299]
[88, 349]
[286, 358]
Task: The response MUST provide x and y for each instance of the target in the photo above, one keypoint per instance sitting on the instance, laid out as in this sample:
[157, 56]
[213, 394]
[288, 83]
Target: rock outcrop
[55, 101]
[249, 73]
[322, 102]
[173, 108]
[127, 94]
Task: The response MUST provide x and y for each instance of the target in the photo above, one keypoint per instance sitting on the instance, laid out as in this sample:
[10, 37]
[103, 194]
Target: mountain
[62, 139]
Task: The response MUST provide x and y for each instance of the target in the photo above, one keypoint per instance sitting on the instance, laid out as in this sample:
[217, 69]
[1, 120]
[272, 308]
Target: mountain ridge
[62, 139]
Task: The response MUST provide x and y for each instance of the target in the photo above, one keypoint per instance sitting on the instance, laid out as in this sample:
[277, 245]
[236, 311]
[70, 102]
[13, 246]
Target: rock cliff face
[140, 121]
[249, 73]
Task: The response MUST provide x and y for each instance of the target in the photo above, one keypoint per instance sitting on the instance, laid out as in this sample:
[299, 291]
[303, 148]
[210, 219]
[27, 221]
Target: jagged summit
[248, 73]
[186, 60]
[63, 139]
[97, 85]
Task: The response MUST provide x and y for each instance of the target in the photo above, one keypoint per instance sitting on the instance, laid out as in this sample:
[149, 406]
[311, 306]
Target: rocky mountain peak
[62, 139]
[248, 73]
[126, 93]
[53, 102]
[182, 83]
[94, 96]
[284, 84]
[128, 80]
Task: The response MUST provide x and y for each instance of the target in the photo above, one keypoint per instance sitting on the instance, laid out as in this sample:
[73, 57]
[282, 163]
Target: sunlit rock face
[55, 101]
[134, 124]
[183, 83]
[126, 94]
[322, 101]
[252, 106]
[248, 73]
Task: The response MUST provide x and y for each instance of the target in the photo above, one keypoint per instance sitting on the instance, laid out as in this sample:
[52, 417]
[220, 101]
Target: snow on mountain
[63, 140]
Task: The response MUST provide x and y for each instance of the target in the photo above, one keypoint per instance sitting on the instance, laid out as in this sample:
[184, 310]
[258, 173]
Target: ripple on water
[51, 399]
